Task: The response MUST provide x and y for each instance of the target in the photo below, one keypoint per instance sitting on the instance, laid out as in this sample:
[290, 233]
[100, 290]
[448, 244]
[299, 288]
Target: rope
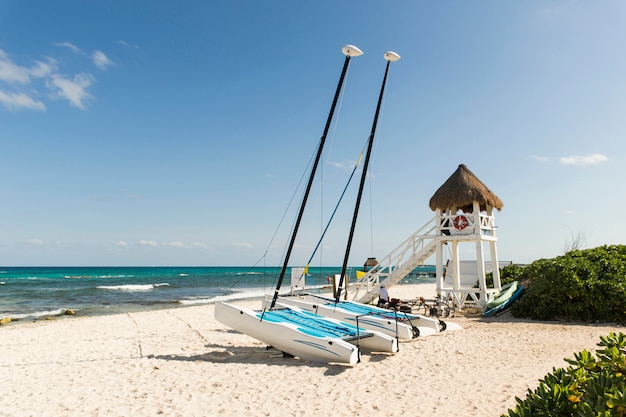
[319, 242]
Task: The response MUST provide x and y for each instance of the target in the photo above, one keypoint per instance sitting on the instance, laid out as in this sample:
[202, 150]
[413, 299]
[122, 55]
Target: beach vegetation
[581, 285]
[589, 386]
[508, 274]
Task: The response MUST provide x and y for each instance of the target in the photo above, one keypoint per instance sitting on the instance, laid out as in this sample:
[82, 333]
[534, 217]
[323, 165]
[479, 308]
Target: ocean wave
[115, 276]
[243, 295]
[38, 314]
[97, 276]
[132, 287]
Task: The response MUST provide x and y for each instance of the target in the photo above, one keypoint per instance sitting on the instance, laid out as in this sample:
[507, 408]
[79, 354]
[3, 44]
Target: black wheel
[443, 310]
[416, 332]
[442, 326]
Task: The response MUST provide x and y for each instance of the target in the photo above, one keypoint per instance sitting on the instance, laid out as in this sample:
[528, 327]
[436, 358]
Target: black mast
[349, 51]
[389, 57]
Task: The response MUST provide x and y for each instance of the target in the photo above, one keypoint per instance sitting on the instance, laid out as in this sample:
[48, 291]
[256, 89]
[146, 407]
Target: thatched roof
[461, 190]
[370, 262]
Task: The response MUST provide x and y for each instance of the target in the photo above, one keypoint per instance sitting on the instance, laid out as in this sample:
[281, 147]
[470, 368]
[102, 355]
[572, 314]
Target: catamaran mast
[349, 51]
[389, 57]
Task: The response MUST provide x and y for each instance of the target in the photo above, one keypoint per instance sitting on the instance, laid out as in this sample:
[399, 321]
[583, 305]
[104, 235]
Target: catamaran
[402, 325]
[292, 330]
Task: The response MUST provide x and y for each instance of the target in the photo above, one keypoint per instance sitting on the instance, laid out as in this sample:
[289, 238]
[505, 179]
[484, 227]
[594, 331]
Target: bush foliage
[582, 285]
[590, 386]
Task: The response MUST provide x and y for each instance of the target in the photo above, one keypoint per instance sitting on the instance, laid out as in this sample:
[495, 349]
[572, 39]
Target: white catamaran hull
[371, 340]
[286, 337]
[308, 342]
[406, 327]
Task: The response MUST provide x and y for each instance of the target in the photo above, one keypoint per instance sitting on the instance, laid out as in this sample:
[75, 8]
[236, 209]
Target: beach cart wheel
[442, 326]
[440, 310]
[416, 332]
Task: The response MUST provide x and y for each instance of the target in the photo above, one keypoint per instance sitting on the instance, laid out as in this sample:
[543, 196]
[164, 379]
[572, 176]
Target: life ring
[460, 222]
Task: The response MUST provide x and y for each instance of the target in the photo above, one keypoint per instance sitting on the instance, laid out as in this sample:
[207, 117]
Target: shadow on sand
[264, 356]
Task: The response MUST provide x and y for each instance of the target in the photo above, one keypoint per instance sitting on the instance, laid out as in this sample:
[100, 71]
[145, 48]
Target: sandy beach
[182, 362]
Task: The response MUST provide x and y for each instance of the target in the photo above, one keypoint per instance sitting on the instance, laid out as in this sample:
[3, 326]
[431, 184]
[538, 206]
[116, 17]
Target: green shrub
[508, 274]
[590, 386]
[582, 285]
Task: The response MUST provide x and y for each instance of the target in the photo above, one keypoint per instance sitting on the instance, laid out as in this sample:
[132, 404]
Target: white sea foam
[243, 295]
[36, 314]
[132, 287]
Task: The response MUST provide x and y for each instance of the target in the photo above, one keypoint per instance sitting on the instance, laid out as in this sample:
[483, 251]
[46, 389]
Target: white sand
[182, 362]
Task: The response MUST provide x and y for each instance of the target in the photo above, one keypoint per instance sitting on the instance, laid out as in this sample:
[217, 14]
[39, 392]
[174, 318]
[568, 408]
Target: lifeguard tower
[463, 208]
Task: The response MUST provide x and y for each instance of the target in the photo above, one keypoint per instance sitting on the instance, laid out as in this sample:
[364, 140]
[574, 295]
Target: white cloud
[12, 73]
[179, 244]
[16, 74]
[593, 159]
[14, 101]
[127, 45]
[175, 244]
[74, 90]
[121, 243]
[18, 88]
[198, 245]
[43, 69]
[100, 60]
[347, 165]
[34, 242]
[243, 245]
[69, 46]
[539, 158]
[148, 243]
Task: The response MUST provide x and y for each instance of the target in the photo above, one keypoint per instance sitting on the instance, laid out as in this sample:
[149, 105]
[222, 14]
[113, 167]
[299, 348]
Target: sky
[177, 133]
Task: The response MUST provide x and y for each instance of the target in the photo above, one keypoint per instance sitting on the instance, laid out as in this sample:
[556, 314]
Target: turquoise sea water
[37, 292]
[32, 292]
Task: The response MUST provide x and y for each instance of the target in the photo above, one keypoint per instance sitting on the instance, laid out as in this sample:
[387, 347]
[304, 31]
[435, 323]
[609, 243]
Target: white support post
[480, 268]
[495, 265]
[456, 266]
[439, 253]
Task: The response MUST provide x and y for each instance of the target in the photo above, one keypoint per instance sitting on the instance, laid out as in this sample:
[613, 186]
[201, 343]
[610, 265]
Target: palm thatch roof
[370, 263]
[461, 190]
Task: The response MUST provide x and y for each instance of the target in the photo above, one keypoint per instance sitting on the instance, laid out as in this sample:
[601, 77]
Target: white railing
[466, 224]
[415, 250]
[398, 264]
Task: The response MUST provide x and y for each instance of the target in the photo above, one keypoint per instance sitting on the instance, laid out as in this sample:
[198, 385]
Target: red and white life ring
[460, 222]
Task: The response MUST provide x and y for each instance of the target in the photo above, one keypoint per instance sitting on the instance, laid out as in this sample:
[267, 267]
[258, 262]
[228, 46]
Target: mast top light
[351, 50]
[391, 56]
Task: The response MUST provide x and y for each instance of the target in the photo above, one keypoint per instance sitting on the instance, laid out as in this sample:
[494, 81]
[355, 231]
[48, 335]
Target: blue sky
[175, 133]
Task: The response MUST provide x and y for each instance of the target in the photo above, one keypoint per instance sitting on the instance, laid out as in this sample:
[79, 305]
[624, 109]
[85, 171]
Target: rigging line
[358, 162]
[282, 218]
[263, 257]
[371, 218]
[328, 152]
[294, 225]
[389, 57]
[348, 54]
[371, 181]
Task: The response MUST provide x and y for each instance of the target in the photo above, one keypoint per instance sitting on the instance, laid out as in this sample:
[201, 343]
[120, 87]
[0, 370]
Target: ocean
[40, 292]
